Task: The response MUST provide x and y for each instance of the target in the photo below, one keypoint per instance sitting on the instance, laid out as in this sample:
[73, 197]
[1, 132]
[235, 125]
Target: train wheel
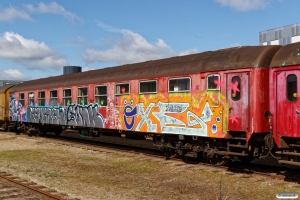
[218, 160]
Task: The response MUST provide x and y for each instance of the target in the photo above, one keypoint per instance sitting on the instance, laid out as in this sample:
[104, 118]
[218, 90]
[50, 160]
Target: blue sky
[38, 38]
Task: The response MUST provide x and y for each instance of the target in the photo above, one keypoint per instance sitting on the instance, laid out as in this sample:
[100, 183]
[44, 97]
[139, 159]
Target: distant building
[280, 36]
[72, 69]
[6, 82]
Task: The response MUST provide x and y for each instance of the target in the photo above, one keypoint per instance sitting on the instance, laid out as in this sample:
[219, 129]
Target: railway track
[12, 187]
[106, 145]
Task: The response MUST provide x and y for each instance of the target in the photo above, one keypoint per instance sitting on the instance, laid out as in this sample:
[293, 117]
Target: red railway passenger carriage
[211, 103]
[285, 103]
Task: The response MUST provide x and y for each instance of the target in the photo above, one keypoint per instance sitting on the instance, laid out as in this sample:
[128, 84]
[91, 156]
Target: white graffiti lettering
[145, 118]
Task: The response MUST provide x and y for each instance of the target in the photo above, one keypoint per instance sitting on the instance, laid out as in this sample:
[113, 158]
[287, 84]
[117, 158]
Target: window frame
[22, 100]
[66, 97]
[145, 81]
[100, 95]
[87, 95]
[29, 99]
[39, 98]
[122, 83]
[52, 98]
[212, 75]
[287, 89]
[184, 77]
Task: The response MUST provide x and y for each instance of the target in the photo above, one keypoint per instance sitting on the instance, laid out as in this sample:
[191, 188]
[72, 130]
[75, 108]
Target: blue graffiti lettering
[129, 112]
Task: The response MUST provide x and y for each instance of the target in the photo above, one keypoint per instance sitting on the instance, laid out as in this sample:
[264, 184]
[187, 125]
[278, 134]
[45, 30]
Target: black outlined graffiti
[78, 115]
[73, 115]
[47, 115]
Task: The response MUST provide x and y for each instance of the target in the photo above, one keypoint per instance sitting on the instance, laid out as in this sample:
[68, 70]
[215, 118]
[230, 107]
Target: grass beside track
[112, 175]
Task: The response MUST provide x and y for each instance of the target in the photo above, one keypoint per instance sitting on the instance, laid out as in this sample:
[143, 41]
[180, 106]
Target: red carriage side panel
[287, 103]
[238, 98]
[259, 100]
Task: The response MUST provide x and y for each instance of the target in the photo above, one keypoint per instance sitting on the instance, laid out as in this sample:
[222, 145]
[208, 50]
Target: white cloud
[12, 74]
[244, 5]
[53, 8]
[131, 48]
[108, 27]
[9, 14]
[86, 68]
[33, 54]
[188, 51]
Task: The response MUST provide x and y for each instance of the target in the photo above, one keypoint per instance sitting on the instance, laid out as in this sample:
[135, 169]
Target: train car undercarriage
[220, 151]
[214, 150]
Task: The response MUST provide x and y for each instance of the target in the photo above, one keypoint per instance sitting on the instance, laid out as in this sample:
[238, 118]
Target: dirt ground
[86, 174]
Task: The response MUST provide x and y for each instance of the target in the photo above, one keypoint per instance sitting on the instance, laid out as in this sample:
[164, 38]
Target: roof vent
[72, 69]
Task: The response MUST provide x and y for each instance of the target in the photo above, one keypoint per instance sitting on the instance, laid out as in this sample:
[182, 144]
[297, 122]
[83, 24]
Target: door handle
[298, 112]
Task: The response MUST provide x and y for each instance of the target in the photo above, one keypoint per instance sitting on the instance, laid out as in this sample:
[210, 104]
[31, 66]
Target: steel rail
[47, 194]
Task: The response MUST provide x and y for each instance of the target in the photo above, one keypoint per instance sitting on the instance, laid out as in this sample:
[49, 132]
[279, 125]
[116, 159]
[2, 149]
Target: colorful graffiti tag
[16, 110]
[112, 115]
[195, 115]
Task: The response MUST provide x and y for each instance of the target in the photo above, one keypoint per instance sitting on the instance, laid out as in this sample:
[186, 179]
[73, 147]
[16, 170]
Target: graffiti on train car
[129, 112]
[197, 114]
[16, 110]
[112, 115]
[73, 115]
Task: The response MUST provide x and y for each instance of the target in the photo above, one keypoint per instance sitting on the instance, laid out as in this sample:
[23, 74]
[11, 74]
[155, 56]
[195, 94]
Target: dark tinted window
[236, 88]
[212, 82]
[147, 87]
[291, 87]
[179, 85]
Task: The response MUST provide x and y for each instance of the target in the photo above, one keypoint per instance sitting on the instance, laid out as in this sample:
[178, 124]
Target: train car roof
[225, 59]
[4, 88]
[287, 55]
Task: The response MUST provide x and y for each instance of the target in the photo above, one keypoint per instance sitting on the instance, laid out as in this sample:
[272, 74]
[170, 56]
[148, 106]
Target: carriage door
[288, 103]
[238, 98]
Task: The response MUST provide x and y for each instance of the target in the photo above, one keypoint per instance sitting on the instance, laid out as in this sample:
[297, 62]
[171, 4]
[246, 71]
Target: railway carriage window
[31, 98]
[121, 89]
[212, 82]
[291, 87]
[236, 90]
[53, 98]
[67, 97]
[101, 95]
[82, 96]
[148, 87]
[179, 85]
[21, 99]
[41, 99]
